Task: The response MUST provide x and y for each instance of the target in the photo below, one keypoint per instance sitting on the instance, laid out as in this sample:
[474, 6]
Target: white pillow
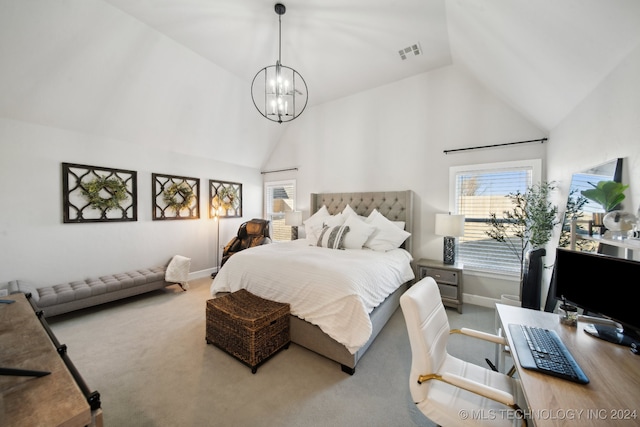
[334, 220]
[387, 235]
[178, 270]
[359, 232]
[333, 237]
[399, 224]
[323, 212]
[313, 225]
[348, 210]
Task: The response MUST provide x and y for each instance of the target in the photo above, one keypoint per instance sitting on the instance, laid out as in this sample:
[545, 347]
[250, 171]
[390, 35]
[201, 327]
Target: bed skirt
[311, 336]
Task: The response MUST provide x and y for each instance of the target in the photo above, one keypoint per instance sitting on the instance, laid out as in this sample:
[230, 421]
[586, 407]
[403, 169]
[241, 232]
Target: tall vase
[597, 218]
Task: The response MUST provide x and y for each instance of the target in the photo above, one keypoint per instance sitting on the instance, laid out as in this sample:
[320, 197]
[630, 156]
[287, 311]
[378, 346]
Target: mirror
[580, 208]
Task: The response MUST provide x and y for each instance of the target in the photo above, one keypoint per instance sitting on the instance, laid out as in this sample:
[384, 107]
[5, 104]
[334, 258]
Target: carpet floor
[148, 358]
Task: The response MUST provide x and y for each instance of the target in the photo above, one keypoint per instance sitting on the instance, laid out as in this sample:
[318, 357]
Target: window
[279, 197]
[476, 192]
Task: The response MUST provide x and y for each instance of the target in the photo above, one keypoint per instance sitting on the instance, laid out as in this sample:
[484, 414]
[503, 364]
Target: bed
[346, 337]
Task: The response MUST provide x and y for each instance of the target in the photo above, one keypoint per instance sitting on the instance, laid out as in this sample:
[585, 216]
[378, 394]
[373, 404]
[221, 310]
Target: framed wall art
[175, 197]
[98, 194]
[225, 199]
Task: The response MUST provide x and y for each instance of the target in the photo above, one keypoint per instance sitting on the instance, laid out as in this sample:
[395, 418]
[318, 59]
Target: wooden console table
[56, 399]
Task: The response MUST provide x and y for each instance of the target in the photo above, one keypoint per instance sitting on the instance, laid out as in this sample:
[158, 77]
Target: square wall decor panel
[175, 197]
[225, 199]
[98, 194]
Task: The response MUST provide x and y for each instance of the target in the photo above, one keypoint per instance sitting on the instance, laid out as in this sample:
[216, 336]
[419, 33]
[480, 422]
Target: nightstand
[447, 276]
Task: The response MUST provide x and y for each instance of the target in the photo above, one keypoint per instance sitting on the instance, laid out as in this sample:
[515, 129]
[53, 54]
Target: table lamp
[449, 226]
[294, 219]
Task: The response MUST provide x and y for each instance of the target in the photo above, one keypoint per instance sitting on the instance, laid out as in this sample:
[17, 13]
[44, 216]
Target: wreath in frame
[184, 190]
[115, 187]
[228, 198]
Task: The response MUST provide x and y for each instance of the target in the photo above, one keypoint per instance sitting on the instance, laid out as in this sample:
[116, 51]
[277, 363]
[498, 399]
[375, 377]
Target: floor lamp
[449, 226]
[216, 218]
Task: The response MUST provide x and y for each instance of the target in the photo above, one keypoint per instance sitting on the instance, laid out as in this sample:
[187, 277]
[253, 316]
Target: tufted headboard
[394, 205]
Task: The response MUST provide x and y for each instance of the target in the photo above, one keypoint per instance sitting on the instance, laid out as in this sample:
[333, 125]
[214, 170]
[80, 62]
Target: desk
[52, 400]
[613, 371]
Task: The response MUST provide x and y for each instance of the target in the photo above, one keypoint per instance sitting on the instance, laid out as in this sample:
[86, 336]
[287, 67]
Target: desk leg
[500, 349]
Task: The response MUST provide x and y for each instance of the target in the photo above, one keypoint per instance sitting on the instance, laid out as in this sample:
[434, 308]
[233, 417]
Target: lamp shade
[293, 218]
[449, 225]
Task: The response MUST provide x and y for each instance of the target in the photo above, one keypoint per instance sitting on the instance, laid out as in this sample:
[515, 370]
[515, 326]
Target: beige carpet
[148, 358]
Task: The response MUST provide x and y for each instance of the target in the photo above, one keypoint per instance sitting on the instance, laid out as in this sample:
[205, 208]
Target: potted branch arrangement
[528, 225]
[573, 212]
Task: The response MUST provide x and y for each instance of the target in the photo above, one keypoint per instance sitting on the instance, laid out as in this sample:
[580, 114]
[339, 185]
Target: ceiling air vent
[407, 51]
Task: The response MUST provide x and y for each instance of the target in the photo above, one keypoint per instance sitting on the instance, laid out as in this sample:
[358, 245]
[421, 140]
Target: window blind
[478, 193]
[279, 198]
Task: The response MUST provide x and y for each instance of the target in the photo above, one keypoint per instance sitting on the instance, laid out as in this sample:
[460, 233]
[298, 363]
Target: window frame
[276, 227]
[535, 165]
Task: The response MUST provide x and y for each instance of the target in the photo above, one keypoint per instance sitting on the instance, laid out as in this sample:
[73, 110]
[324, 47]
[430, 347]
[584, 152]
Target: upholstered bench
[66, 297]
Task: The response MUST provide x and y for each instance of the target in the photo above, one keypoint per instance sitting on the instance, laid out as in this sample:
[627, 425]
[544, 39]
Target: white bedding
[333, 289]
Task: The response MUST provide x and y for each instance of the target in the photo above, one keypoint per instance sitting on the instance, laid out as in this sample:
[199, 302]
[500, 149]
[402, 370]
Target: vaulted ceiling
[543, 56]
[175, 74]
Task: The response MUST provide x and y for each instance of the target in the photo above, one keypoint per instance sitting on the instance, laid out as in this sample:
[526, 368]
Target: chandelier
[279, 92]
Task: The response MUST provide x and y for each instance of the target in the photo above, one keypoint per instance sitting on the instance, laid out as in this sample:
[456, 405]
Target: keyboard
[542, 350]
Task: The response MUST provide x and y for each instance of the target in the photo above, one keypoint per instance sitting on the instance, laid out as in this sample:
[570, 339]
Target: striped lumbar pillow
[333, 237]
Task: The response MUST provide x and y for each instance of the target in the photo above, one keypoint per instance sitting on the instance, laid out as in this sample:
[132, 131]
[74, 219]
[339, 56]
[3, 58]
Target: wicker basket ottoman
[248, 327]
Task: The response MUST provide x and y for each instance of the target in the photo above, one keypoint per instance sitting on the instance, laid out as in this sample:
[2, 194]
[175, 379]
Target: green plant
[114, 187]
[574, 211]
[529, 224]
[608, 194]
[228, 198]
[183, 190]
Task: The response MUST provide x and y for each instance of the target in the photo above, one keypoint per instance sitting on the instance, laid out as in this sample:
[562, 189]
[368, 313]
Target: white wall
[86, 66]
[393, 137]
[35, 245]
[604, 126]
[83, 82]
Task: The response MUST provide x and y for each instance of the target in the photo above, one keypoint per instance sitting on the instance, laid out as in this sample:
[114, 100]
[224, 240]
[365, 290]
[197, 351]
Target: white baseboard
[479, 300]
[202, 273]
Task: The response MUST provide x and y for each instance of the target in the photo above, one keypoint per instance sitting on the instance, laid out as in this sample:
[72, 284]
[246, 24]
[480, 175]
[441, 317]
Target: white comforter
[333, 289]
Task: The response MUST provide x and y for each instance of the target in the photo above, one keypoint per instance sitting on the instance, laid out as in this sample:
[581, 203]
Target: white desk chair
[450, 391]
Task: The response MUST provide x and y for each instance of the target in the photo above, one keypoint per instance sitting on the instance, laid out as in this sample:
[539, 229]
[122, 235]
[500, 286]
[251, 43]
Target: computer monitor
[601, 285]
